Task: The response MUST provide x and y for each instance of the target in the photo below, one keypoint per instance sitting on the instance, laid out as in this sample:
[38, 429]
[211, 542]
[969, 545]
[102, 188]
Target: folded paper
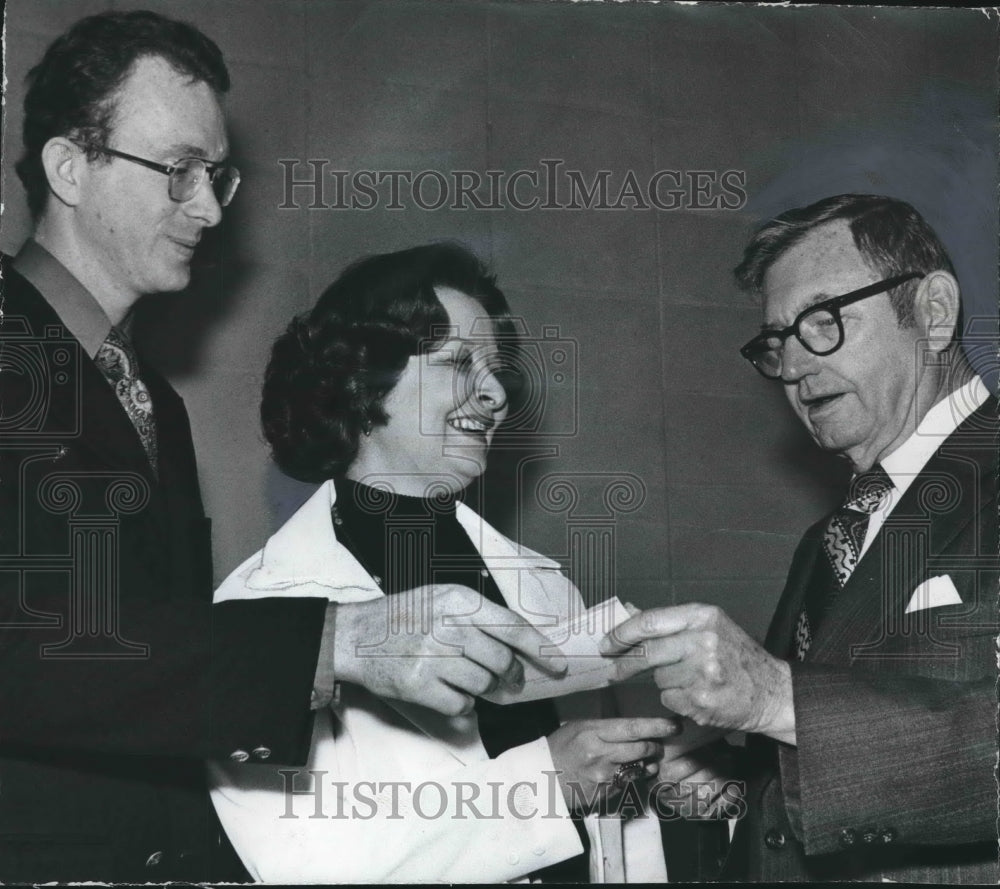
[578, 639]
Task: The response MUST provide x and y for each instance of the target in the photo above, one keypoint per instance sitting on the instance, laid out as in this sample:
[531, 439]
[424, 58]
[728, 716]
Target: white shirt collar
[907, 461]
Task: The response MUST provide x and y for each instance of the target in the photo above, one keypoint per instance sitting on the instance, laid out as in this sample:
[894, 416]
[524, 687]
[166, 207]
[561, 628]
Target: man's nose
[796, 361]
[204, 205]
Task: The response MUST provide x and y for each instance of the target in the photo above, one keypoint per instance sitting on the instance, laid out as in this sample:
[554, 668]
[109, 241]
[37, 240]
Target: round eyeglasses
[186, 175]
[819, 328]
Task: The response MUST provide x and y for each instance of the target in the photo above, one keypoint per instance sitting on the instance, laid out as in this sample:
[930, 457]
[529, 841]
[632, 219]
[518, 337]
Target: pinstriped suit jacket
[893, 775]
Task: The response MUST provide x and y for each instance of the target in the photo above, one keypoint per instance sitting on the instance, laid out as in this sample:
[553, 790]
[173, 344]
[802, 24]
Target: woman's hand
[587, 755]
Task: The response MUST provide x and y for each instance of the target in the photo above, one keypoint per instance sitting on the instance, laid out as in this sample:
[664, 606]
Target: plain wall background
[692, 478]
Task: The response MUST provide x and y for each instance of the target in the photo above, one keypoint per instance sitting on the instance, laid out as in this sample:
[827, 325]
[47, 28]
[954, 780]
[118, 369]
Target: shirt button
[154, 859]
[539, 851]
[889, 835]
[484, 572]
[512, 858]
[774, 839]
[848, 837]
[261, 753]
[239, 756]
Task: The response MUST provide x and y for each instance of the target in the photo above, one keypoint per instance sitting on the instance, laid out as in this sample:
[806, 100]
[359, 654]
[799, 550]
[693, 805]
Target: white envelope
[578, 640]
[933, 593]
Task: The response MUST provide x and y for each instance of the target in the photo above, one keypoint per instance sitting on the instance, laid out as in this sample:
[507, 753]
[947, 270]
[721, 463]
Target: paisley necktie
[116, 359]
[842, 542]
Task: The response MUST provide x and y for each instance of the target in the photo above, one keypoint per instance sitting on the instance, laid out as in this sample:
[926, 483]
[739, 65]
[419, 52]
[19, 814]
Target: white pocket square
[933, 593]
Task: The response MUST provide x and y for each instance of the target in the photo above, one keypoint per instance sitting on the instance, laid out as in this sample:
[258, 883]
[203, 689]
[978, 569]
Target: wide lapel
[805, 568]
[305, 558]
[957, 482]
[179, 510]
[83, 411]
[531, 584]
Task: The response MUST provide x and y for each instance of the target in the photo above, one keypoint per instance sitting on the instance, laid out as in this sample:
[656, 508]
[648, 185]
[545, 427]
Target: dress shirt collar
[906, 462]
[70, 300]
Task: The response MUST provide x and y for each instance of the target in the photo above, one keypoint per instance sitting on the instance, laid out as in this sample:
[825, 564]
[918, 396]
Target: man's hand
[439, 646]
[699, 783]
[707, 668]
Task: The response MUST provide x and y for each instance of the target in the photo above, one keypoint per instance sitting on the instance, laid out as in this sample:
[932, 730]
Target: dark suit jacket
[893, 772]
[120, 676]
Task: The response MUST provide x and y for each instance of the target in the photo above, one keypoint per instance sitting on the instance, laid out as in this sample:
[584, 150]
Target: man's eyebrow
[186, 149]
[822, 296]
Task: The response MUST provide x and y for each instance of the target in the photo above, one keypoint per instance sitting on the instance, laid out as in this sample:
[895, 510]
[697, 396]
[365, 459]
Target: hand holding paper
[707, 668]
[579, 641]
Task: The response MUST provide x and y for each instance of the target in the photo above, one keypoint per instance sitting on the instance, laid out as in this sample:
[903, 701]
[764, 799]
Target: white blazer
[394, 792]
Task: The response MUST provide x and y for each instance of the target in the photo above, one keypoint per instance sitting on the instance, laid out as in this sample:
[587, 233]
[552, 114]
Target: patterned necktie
[116, 359]
[842, 542]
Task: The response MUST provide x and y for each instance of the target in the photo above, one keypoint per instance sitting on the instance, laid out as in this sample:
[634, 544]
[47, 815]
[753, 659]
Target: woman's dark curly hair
[331, 370]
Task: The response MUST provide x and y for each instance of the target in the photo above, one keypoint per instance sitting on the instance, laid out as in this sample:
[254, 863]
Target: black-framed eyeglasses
[186, 175]
[819, 328]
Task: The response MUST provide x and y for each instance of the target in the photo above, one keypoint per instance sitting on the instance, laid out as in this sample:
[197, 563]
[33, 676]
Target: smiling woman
[393, 373]
[389, 391]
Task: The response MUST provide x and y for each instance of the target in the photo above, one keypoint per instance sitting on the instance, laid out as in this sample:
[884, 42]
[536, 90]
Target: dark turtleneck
[406, 542]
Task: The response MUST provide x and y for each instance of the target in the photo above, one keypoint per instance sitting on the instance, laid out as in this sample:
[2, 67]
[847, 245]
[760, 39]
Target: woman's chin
[463, 471]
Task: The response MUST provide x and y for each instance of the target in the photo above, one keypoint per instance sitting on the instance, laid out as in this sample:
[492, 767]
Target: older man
[872, 711]
[119, 676]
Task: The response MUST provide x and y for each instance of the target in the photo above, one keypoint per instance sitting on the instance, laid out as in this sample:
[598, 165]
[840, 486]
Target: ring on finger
[628, 772]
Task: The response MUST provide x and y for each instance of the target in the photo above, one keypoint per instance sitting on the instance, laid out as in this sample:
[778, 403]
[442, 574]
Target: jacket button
[774, 839]
[239, 756]
[889, 835]
[869, 835]
[154, 859]
[848, 837]
[261, 752]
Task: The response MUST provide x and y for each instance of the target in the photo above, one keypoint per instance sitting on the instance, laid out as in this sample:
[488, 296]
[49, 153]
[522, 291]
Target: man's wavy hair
[892, 237]
[72, 91]
[330, 372]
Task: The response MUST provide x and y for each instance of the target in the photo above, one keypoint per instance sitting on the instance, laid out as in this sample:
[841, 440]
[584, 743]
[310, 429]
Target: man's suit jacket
[120, 676]
[893, 774]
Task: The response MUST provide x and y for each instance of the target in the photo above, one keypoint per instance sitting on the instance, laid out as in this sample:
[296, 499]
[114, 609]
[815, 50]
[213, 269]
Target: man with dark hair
[872, 708]
[120, 676]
